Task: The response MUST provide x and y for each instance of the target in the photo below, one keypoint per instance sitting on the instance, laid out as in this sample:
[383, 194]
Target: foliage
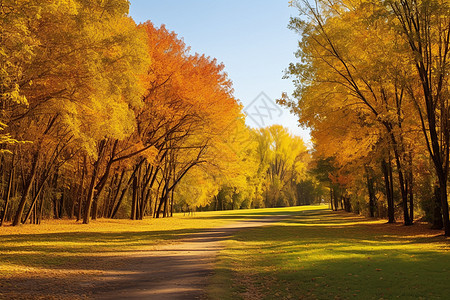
[358, 78]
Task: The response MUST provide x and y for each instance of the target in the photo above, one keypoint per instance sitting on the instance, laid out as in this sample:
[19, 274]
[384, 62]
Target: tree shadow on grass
[328, 255]
[130, 277]
[93, 265]
[312, 252]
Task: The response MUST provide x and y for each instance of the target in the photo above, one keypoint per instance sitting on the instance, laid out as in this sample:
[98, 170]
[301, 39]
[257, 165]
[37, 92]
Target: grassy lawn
[312, 254]
[325, 255]
[64, 245]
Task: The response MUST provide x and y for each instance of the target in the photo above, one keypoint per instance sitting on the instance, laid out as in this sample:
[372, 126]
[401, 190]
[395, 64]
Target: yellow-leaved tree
[74, 73]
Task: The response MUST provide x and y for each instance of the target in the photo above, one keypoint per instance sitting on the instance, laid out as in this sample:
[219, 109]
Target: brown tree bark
[8, 191]
[371, 192]
[387, 174]
[438, 222]
[28, 186]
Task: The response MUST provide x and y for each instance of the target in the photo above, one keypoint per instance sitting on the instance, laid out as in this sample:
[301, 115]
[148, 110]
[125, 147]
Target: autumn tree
[188, 108]
[68, 71]
[281, 163]
[425, 25]
[350, 62]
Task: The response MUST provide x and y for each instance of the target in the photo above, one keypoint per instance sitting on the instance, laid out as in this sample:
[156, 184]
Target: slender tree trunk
[331, 199]
[404, 193]
[402, 177]
[134, 199]
[122, 195]
[41, 208]
[91, 191]
[371, 192]
[171, 203]
[336, 199]
[116, 194]
[81, 189]
[111, 190]
[94, 207]
[166, 200]
[155, 210]
[90, 194]
[61, 205]
[125, 189]
[411, 195]
[8, 191]
[147, 203]
[163, 199]
[29, 184]
[438, 222]
[54, 196]
[35, 198]
[387, 174]
[444, 205]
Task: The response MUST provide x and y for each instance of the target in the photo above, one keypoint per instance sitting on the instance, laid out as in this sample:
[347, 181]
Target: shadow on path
[175, 271]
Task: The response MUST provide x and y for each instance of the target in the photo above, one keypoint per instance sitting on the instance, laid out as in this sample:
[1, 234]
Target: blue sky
[249, 36]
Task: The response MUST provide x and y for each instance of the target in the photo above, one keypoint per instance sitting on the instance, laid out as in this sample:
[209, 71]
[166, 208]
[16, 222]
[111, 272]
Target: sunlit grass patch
[325, 255]
[64, 245]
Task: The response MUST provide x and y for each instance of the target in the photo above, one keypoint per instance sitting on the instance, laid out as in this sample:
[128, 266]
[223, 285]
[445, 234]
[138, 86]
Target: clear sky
[249, 36]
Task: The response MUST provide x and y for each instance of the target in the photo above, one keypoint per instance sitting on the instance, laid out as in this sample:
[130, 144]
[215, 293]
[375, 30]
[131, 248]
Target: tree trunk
[387, 174]
[91, 190]
[444, 205]
[171, 203]
[90, 197]
[35, 198]
[166, 200]
[8, 191]
[125, 189]
[116, 194]
[81, 189]
[134, 199]
[61, 205]
[94, 206]
[29, 184]
[404, 192]
[371, 192]
[411, 195]
[331, 199]
[438, 222]
[336, 199]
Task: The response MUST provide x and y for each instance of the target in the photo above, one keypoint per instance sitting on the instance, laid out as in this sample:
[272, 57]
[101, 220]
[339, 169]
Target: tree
[342, 51]
[282, 158]
[70, 68]
[426, 27]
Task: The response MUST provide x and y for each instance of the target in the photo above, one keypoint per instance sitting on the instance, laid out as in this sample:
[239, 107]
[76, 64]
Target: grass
[312, 254]
[319, 254]
[57, 245]
[62, 259]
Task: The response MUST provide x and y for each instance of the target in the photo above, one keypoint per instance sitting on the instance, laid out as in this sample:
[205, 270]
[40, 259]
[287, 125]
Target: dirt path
[175, 271]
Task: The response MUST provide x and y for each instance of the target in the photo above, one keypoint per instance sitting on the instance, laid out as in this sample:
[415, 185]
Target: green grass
[326, 255]
[313, 254]
[56, 245]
